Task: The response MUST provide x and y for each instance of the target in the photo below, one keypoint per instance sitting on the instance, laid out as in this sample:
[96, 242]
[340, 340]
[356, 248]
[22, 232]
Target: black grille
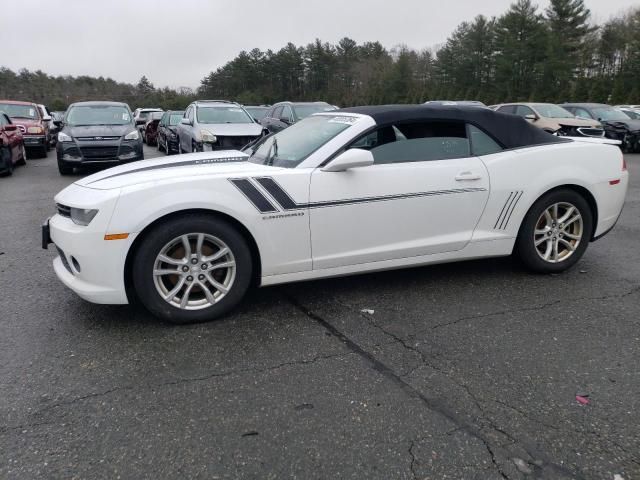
[99, 152]
[63, 210]
[96, 138]
[234, 142]
[591, 132]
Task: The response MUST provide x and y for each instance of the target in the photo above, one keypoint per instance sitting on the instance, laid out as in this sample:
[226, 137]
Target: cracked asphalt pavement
[462, 371]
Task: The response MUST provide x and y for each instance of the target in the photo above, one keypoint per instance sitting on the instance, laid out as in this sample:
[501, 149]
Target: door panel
[396, 210]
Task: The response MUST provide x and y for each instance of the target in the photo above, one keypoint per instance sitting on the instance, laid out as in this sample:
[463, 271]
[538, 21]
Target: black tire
[180, 151]
[6, 162]
[157, 238]
[193, 147]
[525, 246]
[64, 168]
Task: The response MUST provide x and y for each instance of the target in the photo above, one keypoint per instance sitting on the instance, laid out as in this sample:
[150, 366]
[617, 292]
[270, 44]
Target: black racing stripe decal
[512, 209]
[253, 195]
[202, 161]
[287, 203]
[503, 209]
[354, 201]
[278, 193]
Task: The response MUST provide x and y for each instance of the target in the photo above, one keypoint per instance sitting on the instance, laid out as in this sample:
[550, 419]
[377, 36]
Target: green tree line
[556, 54]
[525, 54]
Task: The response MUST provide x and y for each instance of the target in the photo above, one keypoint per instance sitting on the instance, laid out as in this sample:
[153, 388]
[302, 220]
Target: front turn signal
[116, 236]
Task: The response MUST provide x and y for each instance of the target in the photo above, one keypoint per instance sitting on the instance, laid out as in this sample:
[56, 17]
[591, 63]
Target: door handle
[461, 177]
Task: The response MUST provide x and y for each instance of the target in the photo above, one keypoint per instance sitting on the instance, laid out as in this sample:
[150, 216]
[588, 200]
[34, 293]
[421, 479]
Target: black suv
[97, 133]
[283, 114]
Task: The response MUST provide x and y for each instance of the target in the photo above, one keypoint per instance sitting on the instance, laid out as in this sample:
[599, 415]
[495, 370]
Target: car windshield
[550, 110]
[19, 111]
[257, 112]
[608, 113]
[304, 111]
[223, 115]
[632, 114]
[97, 115]
[175, 118]
[291, 146]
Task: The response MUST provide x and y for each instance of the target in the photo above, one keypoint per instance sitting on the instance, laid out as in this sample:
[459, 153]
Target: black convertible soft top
[509, 130]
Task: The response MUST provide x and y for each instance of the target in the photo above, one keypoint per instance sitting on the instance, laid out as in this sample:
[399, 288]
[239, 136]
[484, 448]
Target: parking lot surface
[460, 371]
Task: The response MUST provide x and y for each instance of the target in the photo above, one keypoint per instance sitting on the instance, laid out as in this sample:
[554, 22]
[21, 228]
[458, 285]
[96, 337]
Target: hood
[631, 125]
[98, 130]
[232, 129]
[226, 163]
[577, 122]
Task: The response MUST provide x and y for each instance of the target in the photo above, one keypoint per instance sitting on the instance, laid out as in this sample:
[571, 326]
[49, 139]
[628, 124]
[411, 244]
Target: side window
[523, 111]
[163, 120]
[507, 109]
[277, 112]
[581, 112]
[286, 113]
[3, 120]
[417, 142]
[481, 143]
[190, 111]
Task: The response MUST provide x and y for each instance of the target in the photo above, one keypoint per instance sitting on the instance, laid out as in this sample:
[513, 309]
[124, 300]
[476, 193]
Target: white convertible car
[356, 190]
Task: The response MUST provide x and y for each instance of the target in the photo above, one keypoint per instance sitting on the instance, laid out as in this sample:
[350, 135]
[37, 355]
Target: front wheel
[6, 162]
[64, 168]
[192, 268]
[555, 232]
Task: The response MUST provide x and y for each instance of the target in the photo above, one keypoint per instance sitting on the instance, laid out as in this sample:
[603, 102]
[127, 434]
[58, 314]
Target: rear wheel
[555, 232]
[192, 269]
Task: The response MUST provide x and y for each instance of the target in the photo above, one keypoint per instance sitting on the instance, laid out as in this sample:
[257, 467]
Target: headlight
[63, 137]
[208, 137]
[82, 216]
[35, 130]
[134, 135]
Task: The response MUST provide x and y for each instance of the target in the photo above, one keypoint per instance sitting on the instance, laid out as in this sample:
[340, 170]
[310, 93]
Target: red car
[11, 146]
[34, 127]
[150, 130]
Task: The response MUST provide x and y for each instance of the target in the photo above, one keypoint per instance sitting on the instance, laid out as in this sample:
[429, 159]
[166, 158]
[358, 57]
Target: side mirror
[352, 158]
[531, 117]
[9, 128]
[186, 121]
[285, 120]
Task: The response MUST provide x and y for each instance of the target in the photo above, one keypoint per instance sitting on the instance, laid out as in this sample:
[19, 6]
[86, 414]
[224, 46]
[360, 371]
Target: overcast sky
[177, 42]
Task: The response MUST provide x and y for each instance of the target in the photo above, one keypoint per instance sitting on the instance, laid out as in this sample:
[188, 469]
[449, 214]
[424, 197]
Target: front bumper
[99, 152]
[34, 140]
[87, 263]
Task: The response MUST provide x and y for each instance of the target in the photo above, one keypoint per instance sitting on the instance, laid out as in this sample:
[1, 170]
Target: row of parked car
[620, 123]
[218, 124]
[108, 133]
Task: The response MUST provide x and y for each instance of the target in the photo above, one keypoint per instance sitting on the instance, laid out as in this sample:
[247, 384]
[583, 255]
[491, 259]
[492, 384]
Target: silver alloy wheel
[558, 232]
[194, 271]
